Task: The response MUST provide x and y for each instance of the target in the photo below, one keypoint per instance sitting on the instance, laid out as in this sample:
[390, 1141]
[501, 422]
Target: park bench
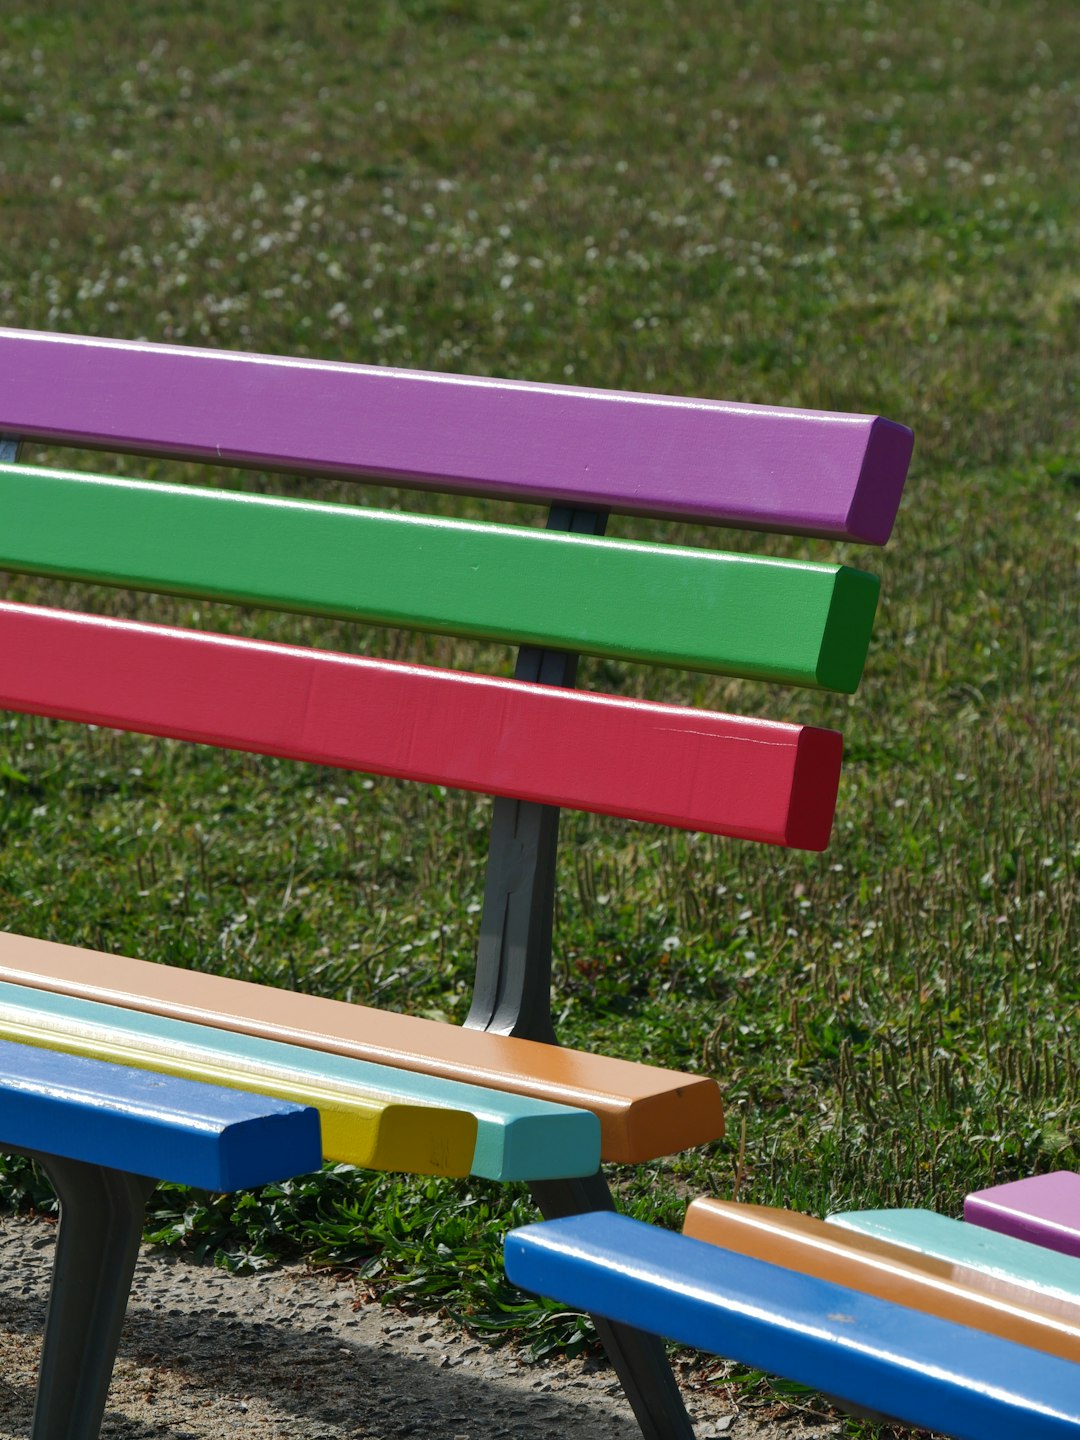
[897, 1315]
[532, 740]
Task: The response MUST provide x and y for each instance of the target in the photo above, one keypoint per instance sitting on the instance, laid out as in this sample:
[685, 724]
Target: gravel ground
[291, 1355]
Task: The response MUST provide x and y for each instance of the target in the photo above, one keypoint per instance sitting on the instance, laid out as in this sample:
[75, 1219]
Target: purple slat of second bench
[805, 471]
[1043, 1209]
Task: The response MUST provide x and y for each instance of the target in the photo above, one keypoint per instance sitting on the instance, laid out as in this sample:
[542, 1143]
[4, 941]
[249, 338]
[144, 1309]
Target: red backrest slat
[753, 779]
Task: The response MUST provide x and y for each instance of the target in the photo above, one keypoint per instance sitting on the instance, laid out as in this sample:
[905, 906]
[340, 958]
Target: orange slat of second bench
[644, 1112]
[874, 1267]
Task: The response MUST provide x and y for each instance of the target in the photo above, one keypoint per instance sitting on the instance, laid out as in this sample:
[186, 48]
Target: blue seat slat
[153, 1125]
[518, 1138]
[874, 1355]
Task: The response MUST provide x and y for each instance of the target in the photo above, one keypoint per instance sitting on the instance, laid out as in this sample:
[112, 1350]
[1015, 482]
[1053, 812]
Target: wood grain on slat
[782, 620]
[644, 1111]
[753, 465]
[753, 779]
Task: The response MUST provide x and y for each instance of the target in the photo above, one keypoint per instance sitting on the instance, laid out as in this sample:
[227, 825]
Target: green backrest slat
[783, 620]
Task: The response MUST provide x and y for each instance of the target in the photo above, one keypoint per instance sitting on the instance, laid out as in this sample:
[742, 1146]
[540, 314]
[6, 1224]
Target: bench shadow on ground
[207, 1369]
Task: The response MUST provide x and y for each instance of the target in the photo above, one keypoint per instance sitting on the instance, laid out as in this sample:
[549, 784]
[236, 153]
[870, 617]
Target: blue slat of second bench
[151, 1125]
[874, 1355]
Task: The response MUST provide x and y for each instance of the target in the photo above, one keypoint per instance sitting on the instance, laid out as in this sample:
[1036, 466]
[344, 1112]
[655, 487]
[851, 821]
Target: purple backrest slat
[801, 471]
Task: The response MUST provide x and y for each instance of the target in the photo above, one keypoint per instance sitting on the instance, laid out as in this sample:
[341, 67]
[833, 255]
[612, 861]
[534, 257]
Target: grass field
[853, 206]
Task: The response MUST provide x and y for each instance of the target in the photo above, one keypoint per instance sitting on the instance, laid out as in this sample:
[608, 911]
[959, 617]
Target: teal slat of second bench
[877, 1356]
[517, 1138]
[153, 1125]
[783, 620]
[970, 1245]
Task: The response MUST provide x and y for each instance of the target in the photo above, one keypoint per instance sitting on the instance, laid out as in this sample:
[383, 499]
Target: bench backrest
[557, 592]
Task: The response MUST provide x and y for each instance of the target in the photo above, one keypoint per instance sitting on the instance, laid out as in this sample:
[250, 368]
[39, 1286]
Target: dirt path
[285, 1356]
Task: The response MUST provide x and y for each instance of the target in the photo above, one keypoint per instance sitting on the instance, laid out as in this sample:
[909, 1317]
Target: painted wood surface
[357, 1130]
[517, 1138]
[970, 1247]
[752, 779]
[644, 1112]
[1042, 1209]
[864, 1350]
[810, 1246]
[154, 1125]
[758, 466]
[782, 620]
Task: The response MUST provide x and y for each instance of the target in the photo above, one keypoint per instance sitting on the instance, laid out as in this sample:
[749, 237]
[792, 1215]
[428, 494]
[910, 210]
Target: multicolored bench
[538, 1112]
[904, 1315]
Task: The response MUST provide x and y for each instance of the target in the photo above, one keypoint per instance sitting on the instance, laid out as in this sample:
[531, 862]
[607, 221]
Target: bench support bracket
[512, 989]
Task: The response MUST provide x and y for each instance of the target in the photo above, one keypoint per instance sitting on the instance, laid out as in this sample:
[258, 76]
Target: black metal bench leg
[101, 1222]
[640, 1359]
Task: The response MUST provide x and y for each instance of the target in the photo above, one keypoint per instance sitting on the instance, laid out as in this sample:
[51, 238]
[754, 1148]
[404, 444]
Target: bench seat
[357, 1129]
[644, 1112]
[517, 1137]
[876, 1267]
[872, 1354]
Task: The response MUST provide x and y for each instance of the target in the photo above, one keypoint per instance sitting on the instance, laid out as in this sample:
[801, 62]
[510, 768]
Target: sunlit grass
[850, 206]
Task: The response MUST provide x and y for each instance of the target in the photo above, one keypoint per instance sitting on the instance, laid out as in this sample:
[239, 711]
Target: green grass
[844, 205]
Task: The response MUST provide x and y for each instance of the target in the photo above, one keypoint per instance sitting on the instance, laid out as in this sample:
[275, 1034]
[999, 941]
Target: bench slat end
[666, 1123]
[845, 640]
[814, 789]
[881, 481]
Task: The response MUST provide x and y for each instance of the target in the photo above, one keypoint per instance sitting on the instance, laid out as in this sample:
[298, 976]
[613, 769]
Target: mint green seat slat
[958, 1243]
[518, 1138]
[780, 620]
